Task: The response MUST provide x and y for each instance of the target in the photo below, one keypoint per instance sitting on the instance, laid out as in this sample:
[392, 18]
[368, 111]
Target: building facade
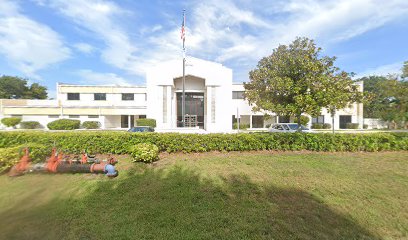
[212, 102]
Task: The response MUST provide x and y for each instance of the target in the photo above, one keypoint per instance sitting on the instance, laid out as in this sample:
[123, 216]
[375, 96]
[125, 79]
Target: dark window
[99, 96]
[237, 94]
[73, 116]
[344, 119]
[93, 116]
[257, 121]
[53, 116]
[128, 96]
[73, 96]
[142, 116]
[319, 119]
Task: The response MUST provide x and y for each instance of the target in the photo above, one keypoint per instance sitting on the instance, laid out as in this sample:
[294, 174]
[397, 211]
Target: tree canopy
[18, 88]
[296, 79]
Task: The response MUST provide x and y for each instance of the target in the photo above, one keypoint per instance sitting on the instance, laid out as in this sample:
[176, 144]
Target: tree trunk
[299, 129]
[332, 116]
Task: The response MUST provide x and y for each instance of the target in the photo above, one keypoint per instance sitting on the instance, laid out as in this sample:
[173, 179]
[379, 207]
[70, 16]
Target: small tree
[296, 80]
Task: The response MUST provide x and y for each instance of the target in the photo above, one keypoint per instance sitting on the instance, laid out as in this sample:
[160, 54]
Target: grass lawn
[250, 195]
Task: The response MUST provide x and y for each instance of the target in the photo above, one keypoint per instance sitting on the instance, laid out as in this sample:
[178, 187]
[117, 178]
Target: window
[237, 94]
[128, 96]
[100, 96]
[318, 119]
[73, 96]
[93, 116]
[53, 116]
[142, 116]
[73, 116]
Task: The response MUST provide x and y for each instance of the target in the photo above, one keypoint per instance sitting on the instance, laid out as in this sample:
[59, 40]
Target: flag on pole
[183, 30]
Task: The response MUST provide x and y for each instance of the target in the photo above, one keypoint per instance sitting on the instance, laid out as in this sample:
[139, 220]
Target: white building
[212, 102]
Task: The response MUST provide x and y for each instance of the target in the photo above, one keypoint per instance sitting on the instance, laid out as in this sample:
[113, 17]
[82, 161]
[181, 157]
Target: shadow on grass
[179, 204]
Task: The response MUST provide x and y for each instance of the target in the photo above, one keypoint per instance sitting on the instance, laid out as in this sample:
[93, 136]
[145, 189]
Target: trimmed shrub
[303, 120]
[30, 125]
[365, 126]
[317, 126]
[11, 121]
[146, 122]
[105, 142]
[242, 126]
[321, 126]
[327, 126]
[91, 125]
[352, 125]
[64, 124]
[144, 152]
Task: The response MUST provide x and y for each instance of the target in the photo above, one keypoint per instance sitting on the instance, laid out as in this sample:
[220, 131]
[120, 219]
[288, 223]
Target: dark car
[141, 129]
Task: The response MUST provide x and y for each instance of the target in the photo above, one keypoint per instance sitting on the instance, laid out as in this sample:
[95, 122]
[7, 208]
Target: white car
[287, 127]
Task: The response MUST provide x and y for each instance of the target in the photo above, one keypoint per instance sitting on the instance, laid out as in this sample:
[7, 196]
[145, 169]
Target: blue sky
[114, 42]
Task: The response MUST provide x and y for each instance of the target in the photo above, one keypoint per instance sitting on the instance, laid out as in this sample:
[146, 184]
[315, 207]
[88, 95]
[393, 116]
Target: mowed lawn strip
[236, 195]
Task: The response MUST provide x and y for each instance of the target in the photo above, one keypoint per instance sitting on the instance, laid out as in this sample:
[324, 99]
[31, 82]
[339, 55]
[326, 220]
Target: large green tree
[18, 88]
[296, 80]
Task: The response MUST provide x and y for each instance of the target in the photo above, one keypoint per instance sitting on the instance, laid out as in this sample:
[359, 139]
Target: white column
[250, 121]
[129, 121]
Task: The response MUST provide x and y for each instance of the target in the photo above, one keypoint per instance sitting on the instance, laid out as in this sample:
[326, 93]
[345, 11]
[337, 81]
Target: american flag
[183, 30]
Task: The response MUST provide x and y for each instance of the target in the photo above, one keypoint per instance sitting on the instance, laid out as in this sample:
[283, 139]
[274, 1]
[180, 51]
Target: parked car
[141, 129]
[287, 127]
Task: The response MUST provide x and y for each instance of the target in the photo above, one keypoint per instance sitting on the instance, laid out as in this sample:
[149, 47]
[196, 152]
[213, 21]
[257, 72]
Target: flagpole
[183, 103]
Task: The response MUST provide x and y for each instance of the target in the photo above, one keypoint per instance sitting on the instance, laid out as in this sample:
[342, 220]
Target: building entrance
[194, 110]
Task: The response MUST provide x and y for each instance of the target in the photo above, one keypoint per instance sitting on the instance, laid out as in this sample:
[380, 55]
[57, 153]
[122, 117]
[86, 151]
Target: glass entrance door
[194, 108]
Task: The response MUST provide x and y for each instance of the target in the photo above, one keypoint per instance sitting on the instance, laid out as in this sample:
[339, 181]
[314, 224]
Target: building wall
[158, 100]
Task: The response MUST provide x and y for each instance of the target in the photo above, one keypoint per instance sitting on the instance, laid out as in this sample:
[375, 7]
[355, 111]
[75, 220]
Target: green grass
[253, 195]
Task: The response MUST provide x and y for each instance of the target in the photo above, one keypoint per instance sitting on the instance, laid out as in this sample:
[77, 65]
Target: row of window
[102, 96]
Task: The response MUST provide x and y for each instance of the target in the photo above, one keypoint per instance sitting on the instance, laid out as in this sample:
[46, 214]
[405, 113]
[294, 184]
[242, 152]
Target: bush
[352, 125]
[321, 126]
[365, 126]
[91, 124]
[146, 122]
[327, 126]
[303, 120]
[105, 142]
[64, 124]
[317, 126]
[11, 121]
[242, 126]
[144, 152]
[30, 125]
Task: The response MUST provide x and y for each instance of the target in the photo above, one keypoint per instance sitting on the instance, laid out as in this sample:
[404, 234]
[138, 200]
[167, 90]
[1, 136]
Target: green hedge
[30, 125]
[9, 156]
[64, 124]
[146, 122]
[120, 142]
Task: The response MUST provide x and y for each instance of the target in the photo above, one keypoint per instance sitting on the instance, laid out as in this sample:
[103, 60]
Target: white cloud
[90, 77]
[84, 47]
[237, 33]
[384, 70]
[28, 45]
